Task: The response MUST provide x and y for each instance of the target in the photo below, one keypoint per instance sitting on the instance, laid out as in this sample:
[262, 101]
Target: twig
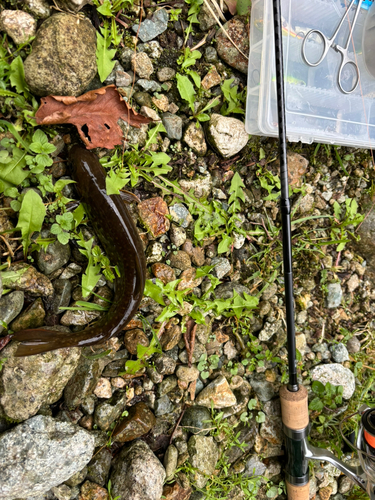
[189, 338]
[177, 424]
[7, 245]
[192, 387]
[4, 341]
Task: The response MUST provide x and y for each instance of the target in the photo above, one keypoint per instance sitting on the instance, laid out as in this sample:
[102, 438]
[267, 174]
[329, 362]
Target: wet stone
[170, 461]
[30, 280]
[110, 410]
[195, 139]
[188, 279]
[133, 338]
[163, 272]
[171, 336]
[139, 421]
[173, 125]
[164, 364]
[222, 267]
[201, 186]
[38, 8]
[10, 307]
[186, 373]
[177, 234]
[143, 99]
[98, 468]
[198, 350]
[211, 79]
[163, 406]
[153, 214]
[103, 388]
[195, 253]
[161, 102]
[32, 317]
[78, 318]
[204, 454]
[166, 385]
[196, 420]
[263, 389]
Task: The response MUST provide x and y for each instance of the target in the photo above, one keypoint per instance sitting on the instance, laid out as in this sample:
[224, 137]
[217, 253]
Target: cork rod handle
[294, 408]
[298, 492]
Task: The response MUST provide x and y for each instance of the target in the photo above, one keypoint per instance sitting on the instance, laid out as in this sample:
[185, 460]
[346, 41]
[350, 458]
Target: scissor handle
[345, 61]
[327, 45]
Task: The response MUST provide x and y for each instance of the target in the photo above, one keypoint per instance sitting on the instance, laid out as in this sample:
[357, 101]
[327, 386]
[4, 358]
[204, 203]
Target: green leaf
[318, 387]
[237, 193]
[78, 215]
[31, 216]
[195, 77]
[157, 159]
[261, 417]
[224, 244]
[98, 356]
[186, 89]
[154, 291]
[63, 238]
[17, 75]
[104, 55]
[252, 404]
[316, 405]
[90, 278]
[274, 490]
[105, 9]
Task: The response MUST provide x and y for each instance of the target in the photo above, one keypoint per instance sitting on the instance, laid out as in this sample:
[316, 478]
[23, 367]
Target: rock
[301, 343]
[205, 18]
[334, 295]
[195, 253]
[171, 336]
[161, 102]
[19, 25]
[222, 267]
[271, 430]
[62, 492]
[38, 8]
[137, 474]
[92, 491]
[62, 62]
[237, 28]
[211, 79]
[198, 350]
[133, 338]
[306, 204]
[110, 410]
[98, 468]
[139, 421]
[163, 272]
[219, 392]
[71, 270]
[150, 113]
[123, 79]
[79, 318]
[269, 330]
[173, 126]
[72, 5]
[210, 53]
[269, 292]
[247, 434]
[151, 28]
[133, 135]
[154, 252]
[263, 389]
[164, 364]
[182, 216]
[39, 454]
[167, 385]
[30, 280]
[194, 138]
[345, 485]
[177, 234]
[103, 388]
[336, 374]
[164, 74]
[339, 353]
[353, 344]
[297, 167]
[56, 255]
[149, 85]
[142, 65]
[153, 213]
[225, 291]
[196, 420]
[170, 461]
[201, 186]
[227, 135]
[353, 283]
[204, 454]
[10, 307]
[186, 373]
[32, 317]
[180, 260]
[325, 493]
[77, 478]
[83, 381]
[188, 279]
[254, 467]
[163, 406]
[27, 383]
[62, 296]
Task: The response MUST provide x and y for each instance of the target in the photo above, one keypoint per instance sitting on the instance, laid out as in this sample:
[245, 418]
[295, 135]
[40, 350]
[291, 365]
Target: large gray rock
[63, 59]
[27, 383]
[137, 474]
[238, 30]
[55, 257]
[227, 135]
[336, 374]
[40, 454]
[10, 307]
[204, 454]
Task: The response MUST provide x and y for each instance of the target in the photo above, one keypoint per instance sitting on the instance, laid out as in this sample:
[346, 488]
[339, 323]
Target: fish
[117, 232]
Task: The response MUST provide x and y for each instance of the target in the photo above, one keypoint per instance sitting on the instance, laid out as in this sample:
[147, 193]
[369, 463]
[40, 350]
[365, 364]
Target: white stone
[227, 135]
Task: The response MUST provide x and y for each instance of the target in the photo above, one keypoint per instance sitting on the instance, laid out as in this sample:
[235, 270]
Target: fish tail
[38, 341]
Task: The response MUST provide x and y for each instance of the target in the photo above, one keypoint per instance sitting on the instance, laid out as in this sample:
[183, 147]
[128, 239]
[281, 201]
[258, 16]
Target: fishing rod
[294, 396]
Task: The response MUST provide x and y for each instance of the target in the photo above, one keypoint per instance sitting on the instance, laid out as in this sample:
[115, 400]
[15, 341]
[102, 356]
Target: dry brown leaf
[95, 114]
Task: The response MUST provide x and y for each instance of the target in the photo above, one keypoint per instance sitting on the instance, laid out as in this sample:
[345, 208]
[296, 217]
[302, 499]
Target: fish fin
[128, 197]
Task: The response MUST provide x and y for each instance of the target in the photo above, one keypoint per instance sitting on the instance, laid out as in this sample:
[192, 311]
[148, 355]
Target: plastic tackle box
[316, 110]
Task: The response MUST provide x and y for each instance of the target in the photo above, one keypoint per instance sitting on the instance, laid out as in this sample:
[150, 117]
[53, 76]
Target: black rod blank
[285, 202]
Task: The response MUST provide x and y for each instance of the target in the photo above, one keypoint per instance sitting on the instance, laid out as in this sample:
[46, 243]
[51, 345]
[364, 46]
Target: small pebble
[103, 388]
